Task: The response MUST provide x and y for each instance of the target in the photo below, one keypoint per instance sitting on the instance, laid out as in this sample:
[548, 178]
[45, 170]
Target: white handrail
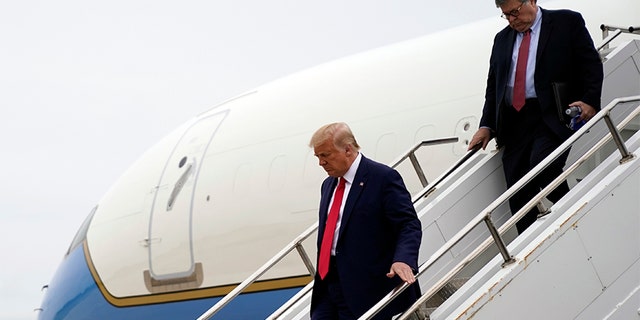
[251, 279]
[485, 215]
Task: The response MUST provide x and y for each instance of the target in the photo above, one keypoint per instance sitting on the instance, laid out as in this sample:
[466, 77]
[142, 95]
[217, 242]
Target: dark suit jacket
[565, 54]
[379, 226]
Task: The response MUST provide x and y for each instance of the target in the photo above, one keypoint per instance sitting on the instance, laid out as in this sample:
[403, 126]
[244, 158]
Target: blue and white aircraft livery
[219, 196]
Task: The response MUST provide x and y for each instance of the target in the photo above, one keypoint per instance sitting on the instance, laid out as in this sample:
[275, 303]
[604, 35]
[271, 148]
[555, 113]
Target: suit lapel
[503, 78]
[545, 32]
[508, 53]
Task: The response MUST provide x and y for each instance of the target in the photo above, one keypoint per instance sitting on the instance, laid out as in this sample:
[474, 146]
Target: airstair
[579, 260]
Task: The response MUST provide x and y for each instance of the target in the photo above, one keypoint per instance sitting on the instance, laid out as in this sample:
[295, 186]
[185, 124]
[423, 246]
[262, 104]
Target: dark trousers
[531, 141]
[332, 305]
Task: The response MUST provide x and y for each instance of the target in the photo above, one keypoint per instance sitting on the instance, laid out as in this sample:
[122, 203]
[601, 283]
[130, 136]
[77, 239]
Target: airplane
[212, 201]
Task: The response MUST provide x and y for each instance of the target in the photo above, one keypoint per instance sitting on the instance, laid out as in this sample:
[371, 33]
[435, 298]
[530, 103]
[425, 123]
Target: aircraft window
[82, 232]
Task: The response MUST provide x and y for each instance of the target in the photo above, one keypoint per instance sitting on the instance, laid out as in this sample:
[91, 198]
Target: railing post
[542, 209]
[305, 258]
[607, 38]
[508, 259]
[414, 160]
[617, 138]
[416, 165]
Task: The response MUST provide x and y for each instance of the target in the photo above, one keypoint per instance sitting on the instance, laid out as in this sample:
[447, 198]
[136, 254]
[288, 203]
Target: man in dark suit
[377, 235]
[524, 118]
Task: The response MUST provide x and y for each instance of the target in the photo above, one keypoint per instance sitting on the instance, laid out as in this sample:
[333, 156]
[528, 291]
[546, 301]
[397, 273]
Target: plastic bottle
[574, 113]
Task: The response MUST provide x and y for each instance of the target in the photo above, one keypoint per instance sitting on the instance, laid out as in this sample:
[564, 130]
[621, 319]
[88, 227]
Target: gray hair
[499, 3]
[339, 132]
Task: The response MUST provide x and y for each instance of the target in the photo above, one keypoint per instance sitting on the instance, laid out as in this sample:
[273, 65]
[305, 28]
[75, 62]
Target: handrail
[485, 215]
[528, 206]
[297, 243]
[411, 154]
[292, 301]
[607, 38]
[630, 29]
[461, 161]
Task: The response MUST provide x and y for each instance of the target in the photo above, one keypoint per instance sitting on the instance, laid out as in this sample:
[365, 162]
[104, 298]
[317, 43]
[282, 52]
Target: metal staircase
[517, 253]
[470, 251]
[591, 152]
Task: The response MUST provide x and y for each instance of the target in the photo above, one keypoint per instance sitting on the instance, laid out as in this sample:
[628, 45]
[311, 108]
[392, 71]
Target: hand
[587, 111]
[482, 136]
[403, 271]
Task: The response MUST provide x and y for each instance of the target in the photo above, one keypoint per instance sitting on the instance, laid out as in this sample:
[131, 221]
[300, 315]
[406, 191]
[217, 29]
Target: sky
[87, 86]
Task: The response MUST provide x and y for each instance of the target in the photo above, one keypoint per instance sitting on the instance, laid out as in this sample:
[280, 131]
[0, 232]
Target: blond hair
[339, 132]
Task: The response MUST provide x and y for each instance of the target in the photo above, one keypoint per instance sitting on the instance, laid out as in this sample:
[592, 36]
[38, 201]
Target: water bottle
[574, 113]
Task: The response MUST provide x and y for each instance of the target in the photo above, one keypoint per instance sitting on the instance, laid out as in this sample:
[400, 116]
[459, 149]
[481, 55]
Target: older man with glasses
[542, 54]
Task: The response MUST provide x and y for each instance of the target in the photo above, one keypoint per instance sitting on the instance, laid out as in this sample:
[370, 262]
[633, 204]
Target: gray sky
[86, 87]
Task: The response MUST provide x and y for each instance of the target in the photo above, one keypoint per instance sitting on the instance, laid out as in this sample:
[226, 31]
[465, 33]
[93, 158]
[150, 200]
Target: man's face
[335, 161]
[520, 15]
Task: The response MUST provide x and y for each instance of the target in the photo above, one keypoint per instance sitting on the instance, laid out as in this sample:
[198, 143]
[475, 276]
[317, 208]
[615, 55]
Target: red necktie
[330, 229]
[521, 72]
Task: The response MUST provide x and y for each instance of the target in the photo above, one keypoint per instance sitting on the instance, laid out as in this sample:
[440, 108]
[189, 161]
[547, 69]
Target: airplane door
[170, 240]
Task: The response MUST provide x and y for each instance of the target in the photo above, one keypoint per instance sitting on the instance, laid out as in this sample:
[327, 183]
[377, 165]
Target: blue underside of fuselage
[73, 294]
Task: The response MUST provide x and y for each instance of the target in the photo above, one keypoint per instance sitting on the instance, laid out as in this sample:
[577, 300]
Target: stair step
[451, 287]
[439, 298]
[428, 312]
[421, 314]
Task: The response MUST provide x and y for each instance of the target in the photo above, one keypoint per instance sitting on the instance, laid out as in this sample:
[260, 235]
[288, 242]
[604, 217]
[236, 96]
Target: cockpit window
[82, 232]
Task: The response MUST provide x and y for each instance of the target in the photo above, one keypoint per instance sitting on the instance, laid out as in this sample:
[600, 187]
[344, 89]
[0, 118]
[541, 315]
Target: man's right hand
[482, 136]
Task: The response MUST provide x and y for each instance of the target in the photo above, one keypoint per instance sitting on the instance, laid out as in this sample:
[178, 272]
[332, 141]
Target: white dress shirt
[348, 177]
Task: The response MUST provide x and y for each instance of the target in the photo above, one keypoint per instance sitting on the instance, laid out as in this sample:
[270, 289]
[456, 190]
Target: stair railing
[411, 154]
[431, 188]
[297, 242]
[485, 215]
[608, 37]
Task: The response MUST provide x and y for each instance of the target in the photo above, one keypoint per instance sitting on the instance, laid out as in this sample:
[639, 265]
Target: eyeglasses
[513, 13]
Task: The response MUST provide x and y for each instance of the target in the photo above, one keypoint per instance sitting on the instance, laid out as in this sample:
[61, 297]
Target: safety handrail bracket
[497, 238]
[617, 138]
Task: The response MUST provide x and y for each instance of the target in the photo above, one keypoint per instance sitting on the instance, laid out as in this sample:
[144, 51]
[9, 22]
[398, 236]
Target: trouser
[518, 160]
